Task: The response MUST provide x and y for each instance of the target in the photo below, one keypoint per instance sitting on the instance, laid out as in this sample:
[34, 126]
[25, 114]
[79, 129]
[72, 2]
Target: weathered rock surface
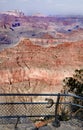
[29, 68]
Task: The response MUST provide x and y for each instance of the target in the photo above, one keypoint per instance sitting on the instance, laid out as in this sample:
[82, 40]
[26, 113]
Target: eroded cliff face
[29, 68]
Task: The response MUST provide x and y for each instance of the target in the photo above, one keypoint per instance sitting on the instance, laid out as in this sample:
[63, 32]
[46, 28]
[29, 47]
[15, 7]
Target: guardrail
[14, 110]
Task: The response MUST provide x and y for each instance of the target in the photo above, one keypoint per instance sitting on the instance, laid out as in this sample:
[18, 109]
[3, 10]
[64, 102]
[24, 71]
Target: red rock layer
[28, 68]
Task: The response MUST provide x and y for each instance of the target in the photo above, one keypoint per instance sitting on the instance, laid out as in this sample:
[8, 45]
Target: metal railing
[21, 107]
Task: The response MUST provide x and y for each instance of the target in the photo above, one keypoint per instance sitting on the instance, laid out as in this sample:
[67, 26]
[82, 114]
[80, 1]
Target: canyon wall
[30, 68]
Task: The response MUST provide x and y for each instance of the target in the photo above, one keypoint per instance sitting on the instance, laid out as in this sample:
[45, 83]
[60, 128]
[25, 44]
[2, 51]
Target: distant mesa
[39, 15]
[16, 13]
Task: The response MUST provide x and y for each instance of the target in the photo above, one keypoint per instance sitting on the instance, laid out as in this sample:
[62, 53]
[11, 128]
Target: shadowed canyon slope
[29, 68]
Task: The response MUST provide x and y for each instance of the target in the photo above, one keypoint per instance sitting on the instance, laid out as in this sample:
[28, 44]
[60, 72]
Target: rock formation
[29, 68]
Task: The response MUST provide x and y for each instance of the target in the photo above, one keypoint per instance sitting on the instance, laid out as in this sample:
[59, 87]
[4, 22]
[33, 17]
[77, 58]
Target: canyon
[37, 53]
[31, 68]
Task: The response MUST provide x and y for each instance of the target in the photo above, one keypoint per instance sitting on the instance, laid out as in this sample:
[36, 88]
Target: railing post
[56, 122]
[17, 122]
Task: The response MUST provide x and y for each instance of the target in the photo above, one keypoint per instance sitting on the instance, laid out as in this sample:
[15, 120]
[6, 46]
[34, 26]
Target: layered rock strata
[29, 68]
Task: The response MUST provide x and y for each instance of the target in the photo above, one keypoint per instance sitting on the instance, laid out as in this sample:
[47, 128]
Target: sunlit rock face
[30, 68]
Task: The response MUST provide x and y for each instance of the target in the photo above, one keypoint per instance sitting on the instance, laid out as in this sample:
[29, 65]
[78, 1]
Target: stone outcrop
[29, 68]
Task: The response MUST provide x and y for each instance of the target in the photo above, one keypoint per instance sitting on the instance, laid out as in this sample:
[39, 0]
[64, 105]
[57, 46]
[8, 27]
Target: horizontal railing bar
[31, 94]
[38, 103]
[73, 104]
[24, 116]
[73, 95]
[20, 103]
[37, 94]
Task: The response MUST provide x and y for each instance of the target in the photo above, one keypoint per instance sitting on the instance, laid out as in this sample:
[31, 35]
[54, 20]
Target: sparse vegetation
[74, 85]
